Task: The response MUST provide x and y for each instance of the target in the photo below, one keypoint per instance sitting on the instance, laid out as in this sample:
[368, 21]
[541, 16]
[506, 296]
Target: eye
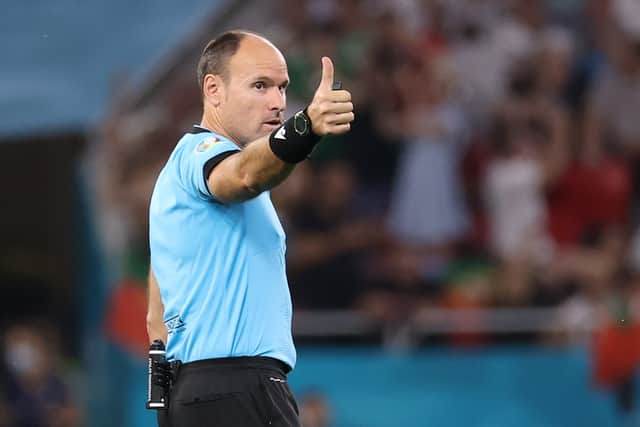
[260, 85]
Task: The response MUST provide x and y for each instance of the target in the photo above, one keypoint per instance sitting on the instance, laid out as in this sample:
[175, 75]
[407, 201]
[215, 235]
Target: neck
[212, 122]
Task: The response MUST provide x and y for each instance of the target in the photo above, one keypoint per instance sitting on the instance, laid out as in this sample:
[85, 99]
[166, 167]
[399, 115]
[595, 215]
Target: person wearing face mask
[219, 296]
[35, 394]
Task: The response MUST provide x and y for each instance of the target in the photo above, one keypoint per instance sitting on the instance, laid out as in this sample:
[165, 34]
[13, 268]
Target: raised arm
[156, 328]
[267, 161]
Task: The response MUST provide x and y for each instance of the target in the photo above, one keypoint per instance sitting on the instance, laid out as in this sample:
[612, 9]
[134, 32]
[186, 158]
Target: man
[218, 291]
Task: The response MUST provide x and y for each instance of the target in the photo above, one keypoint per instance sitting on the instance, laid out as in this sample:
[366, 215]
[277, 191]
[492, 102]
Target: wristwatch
[301, 123]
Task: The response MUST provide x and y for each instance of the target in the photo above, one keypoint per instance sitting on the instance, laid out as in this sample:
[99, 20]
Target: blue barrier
[525, 387]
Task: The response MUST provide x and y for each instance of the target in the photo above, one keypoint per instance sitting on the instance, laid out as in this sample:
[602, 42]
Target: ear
[213, 89]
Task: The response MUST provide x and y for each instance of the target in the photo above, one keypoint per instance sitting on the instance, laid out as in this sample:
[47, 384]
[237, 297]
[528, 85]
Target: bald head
[219, 51]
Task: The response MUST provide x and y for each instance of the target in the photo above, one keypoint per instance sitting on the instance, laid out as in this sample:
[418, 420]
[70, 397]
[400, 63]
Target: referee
[219, 296]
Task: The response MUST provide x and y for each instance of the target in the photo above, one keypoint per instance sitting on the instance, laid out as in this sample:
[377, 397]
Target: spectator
[37, 396]
[315, 410]
[594, 191]
[328, 246]
[427, 214]
[530, 150]
[616, 95]
[616, 92]
[556, 55]
[427, 204]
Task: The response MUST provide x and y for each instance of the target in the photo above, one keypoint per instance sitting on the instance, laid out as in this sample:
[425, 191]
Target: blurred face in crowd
[25, 353]
[314, 411]
[531, 12]
[554, 61]
[525, 142]
[518, 137]
[440, 81]
[624, 52]
[556, 69]
[249, 100]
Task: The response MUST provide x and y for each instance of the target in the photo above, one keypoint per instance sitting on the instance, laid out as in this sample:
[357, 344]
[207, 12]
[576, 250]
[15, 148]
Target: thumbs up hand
[330, 111]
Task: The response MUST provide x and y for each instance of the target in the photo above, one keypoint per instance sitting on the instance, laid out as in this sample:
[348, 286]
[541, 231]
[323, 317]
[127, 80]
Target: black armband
[294, 140]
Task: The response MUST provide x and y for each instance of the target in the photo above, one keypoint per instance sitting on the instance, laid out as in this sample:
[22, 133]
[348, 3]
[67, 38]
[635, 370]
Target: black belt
[257, 362]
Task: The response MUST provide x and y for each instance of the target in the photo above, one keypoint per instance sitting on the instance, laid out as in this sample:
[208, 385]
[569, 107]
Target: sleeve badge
[206, 144]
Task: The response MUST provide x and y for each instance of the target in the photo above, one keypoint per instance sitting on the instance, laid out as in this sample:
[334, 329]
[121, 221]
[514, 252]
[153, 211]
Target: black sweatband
[294, 140]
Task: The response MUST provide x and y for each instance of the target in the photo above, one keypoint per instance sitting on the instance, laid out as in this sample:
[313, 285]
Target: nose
[277, 100]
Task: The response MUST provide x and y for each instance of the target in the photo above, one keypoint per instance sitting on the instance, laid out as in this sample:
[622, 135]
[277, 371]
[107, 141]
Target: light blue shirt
[220, 267]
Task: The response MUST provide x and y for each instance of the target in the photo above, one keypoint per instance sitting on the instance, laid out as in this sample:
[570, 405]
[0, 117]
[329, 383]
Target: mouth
[273, 123]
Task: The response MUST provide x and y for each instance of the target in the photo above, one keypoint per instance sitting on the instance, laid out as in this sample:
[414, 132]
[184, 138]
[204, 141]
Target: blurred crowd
[492, 163]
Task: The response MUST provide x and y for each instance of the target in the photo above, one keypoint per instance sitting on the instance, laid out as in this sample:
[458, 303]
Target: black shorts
[231, 392]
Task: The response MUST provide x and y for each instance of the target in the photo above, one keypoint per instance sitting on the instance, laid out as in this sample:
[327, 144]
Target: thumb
[327, 74]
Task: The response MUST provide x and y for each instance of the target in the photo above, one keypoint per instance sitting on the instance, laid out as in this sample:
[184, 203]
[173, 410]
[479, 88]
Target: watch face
[301, 124]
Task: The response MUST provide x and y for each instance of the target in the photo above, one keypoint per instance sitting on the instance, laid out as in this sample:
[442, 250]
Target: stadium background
[467, 256]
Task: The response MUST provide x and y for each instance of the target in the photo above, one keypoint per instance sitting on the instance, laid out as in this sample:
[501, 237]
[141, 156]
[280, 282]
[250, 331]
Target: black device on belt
[161, 374]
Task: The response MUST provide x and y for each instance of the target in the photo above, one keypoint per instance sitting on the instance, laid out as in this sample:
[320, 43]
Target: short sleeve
[199, 158]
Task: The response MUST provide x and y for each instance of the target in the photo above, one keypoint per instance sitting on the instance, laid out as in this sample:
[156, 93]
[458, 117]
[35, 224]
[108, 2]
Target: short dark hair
[216, 54]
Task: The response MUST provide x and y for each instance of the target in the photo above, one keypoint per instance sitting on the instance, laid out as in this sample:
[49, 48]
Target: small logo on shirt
[281, 134]
[206, 144]
[174, 324]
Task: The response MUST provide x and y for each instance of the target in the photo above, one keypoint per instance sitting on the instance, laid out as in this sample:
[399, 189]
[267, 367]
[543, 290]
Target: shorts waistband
[257, 362]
